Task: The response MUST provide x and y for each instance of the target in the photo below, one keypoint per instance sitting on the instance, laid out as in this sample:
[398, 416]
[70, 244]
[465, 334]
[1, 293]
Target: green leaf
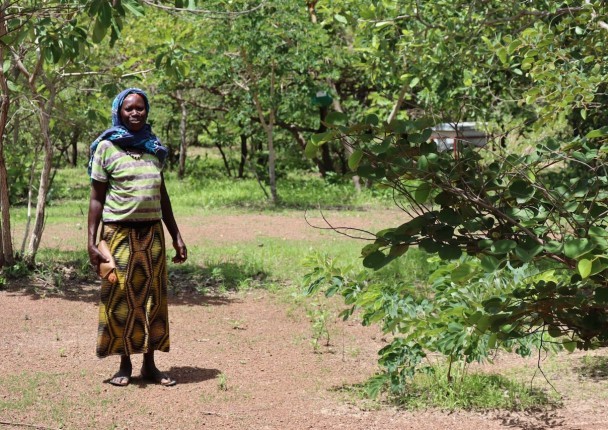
[368, 249]
[422, 193]
[99, 31]
[422, 163]
[492, 305]
[311, 150]
[382, 147]
[336, 118]
[397, 126]
[321, 138]
[526, 255]
[105, 14]
[584, 268]
[554, 331]
[462, 273]
[600, 132]
[502, 55]
[513, 46]
[371, 119]
[340, 18]
[569, 345]
[429, 245]
[398, 250]
[449, 216]
[492, 341]
[355, 159]
[489, 263]
[376, 260]
[521, 190]
[450, 252]
[503, 246]
[575, 248]
[134, 7]
[553, 247]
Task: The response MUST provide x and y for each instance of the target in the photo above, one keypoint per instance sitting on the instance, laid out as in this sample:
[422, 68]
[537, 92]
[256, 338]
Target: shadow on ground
[594, 368]
[532, 420]
[182, 374]
[189, 284]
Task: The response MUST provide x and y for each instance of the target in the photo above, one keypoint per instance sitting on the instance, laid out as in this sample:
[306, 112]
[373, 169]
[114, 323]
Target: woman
[129, 199]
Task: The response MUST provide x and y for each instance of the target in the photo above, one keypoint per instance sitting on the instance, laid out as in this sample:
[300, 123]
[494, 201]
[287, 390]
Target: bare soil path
[243, 361]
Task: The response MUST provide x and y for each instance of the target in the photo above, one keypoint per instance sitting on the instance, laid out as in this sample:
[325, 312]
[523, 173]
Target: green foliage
[319, 317]
[506, 210]
[470, 391]
[450, 317]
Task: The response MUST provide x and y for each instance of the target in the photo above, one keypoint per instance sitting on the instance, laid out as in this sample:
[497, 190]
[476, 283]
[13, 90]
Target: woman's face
[133, 112]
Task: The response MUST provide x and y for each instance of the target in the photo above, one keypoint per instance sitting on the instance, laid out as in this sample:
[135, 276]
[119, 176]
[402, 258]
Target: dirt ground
[242, 360]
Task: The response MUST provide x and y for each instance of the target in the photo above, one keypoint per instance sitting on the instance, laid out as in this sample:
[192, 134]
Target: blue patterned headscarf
[144, 139]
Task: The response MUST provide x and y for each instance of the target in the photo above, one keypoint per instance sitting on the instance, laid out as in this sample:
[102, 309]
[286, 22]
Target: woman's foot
[119, 380]
[123, 376]
[156, 376]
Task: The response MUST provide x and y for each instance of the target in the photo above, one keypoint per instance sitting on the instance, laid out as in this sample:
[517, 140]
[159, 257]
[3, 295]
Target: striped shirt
[133, 184]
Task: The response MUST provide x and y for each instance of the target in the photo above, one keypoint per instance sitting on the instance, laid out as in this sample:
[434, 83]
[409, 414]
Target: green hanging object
[322, 99]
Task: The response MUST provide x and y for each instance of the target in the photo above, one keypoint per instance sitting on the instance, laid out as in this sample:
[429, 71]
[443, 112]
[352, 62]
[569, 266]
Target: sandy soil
[243, 361]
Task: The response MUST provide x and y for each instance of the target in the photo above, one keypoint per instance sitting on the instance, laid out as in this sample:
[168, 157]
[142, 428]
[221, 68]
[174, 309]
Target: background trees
[349, 90]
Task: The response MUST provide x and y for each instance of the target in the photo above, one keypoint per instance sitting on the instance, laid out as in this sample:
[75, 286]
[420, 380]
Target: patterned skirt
[133, 317]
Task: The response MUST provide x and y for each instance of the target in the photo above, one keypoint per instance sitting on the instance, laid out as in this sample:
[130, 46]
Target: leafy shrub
[446, 318]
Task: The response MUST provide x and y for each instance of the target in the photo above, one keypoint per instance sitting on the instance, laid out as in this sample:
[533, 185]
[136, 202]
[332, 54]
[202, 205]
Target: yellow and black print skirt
[133, 317]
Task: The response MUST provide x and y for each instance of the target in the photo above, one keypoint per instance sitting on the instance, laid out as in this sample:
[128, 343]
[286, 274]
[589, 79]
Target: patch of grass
[222, 382]
[21, 390]
[473, 391]
[268, 259]
[218, 276]
[593, 367]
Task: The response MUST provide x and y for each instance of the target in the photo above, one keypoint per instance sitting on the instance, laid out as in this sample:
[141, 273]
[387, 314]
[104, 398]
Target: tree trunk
[267, 125]
[45, 176]
[74, 146]
[183, 145]
[348, 150]
[243, 155]
[6, 243]
[30, 192]
[398, 103]
[271, 152]
[325, 164]
[312, 13]
[223, 154]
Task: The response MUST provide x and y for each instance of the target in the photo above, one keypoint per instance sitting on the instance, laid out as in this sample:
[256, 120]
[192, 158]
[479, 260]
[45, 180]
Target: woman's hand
[181, 253]
[96, 257]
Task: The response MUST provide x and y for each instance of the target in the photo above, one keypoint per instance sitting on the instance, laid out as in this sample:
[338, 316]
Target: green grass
[296, 190]
[475, 391]
[265, 261]
[22, 389]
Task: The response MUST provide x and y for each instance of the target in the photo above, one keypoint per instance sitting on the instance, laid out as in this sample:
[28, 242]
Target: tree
[43, 43]
[540, 211]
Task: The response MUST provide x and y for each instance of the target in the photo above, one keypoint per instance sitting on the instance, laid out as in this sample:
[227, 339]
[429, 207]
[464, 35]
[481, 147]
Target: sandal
[158, 378]
[119, 380]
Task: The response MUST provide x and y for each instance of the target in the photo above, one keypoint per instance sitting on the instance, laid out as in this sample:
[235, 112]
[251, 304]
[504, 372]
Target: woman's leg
[150, 371]
[123, 376]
